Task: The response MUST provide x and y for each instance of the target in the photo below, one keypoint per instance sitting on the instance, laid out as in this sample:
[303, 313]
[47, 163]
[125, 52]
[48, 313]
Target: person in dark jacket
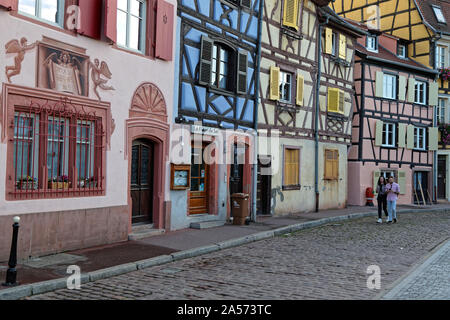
[381, 198]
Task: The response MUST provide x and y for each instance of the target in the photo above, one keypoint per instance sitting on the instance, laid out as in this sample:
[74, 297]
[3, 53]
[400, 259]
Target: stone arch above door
[148, 101]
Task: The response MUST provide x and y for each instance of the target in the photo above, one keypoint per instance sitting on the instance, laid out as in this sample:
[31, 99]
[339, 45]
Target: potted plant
[87, 183]
[445, 73]
[445, 134]
[59, 182]
[27, 183]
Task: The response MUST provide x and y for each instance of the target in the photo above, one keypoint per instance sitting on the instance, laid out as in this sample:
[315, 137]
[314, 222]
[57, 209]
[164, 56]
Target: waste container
[239, 208]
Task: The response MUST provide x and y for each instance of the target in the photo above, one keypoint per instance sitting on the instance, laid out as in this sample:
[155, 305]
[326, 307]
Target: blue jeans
[392, 209]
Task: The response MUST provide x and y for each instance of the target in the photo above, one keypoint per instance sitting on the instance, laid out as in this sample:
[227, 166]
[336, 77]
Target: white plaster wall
[128, 70]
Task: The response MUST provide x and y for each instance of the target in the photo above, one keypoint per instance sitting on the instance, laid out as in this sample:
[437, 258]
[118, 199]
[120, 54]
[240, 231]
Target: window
[48, 10]
[439, 15]
[419, 138]
[440, 111]
[401, 51]
[219, 69]
[291, 167]
[389, 86]
[291, 14]
[389, 173]
[388, 135]
[333, 43]
[242, 3]
[440, 57]
[331, 165]
[336, 100]
[372, 43]
[285, 87]
[131, 23]
[420, 92]
[57, 155]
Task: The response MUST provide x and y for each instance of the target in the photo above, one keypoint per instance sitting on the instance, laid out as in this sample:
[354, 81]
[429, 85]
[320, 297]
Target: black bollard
[11, 274]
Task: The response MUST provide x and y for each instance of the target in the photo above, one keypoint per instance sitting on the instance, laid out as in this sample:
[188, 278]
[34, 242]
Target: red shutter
[164, 30]
[111, 20]
[9, 4]
[91, 18]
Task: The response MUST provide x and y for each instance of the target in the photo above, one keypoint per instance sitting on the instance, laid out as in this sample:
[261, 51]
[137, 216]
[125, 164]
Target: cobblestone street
[327, 262]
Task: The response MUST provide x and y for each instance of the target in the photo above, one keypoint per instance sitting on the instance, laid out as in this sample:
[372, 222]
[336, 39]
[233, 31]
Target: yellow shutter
[300, 89]
[274, 83]
[341, 101]
[333, 100]
[342, 47]
[328, 41]
[336, 165]
[291, 167]
[290, 17]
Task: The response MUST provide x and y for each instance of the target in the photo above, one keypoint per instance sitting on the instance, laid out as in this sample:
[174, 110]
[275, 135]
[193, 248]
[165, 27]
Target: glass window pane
[134, 33]
[122, 5]
[28, 6]
[136, 8]
[121, 28]
[49, 9]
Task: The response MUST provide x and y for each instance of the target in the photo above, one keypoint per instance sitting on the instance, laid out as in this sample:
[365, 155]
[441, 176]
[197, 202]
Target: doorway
[442, 177]
[198, 196]
[237, 170]
[263, 196]
[142, 181]
[422, 194]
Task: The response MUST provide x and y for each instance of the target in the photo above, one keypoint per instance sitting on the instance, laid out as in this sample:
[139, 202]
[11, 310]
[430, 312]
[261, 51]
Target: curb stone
[43, 287]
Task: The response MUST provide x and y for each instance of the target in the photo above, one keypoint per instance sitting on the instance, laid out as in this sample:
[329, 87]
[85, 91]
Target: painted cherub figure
[99, 70]
[20, 48]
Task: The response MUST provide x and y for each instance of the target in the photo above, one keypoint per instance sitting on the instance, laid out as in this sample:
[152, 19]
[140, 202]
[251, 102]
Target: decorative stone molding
[148, 101]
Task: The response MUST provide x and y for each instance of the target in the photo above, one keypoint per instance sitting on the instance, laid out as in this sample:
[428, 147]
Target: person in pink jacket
[392, 190]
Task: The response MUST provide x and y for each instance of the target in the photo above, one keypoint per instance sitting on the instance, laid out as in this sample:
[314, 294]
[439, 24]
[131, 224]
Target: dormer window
[401, 51]
[439, 15]
[372, 43]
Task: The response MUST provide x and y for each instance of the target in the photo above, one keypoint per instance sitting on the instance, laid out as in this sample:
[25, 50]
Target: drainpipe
[317, 113]
[435, 153]
[257, 86]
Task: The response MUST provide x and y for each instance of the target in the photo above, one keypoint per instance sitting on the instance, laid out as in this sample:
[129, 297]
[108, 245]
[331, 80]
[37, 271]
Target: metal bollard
[11, 274]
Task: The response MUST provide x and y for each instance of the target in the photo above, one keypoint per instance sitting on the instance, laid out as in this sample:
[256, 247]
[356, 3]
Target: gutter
[398, 64]
[257, 87]
[317, 112]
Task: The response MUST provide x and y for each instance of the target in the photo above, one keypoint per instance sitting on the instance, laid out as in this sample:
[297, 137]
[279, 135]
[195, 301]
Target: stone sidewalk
[106, 261]
[429, 281]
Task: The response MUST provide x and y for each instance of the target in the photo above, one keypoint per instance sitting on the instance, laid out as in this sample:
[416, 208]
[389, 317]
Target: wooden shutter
[333, 100]
[246, 3]
[433, 136]
[9, 4]
[328, 41]
[402, 181]
[242, 65]
[433, 94]
[375, 176]
[291, 167]
[336, 164]
[300, 89]
[206, 52]
[379, 84]
[90, 18]
[401, 88]
[164, 30]
[290, 16]
[341, 101]
[274, 83]
[410, 137]
[401, 135]
[331, 165]
[379, 133]
[411, 90]
[342, 46]
[110, 20]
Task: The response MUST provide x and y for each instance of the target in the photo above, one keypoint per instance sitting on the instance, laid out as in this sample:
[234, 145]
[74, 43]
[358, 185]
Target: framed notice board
[180, 177]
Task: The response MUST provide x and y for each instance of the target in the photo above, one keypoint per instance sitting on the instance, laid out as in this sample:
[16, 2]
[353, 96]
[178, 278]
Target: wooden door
[237, 171]
[198, 201]
[142, 182]
[442, 177]
[263, 196]
[421, 189]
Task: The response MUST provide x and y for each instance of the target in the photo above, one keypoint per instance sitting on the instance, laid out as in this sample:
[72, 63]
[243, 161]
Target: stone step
[207, 224]
[142, 233]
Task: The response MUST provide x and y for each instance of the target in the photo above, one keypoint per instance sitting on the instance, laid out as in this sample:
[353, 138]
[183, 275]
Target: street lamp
[11, 274]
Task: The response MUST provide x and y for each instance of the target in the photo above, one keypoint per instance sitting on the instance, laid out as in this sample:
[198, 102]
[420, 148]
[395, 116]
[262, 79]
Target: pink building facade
[393, 129]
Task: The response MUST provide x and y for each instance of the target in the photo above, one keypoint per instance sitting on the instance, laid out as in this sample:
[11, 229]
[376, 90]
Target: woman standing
[381, 198]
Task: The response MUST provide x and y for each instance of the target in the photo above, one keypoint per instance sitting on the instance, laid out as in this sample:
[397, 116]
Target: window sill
[340, 61]
[291, 188]
[388, 147]
[131, 51]
[287, 106]
[331, 179]
[337, 115]
[220, 91]
[43, 23]
[291, 33]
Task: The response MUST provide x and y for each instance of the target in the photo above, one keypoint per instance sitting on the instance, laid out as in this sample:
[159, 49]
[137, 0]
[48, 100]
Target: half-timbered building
[312, 120]
[215, 93]
[393, 131]
[86, 96]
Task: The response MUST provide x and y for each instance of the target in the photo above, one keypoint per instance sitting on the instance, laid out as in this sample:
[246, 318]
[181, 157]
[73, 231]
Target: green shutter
[207, 46]
[410, 137]
[402, 181]
[433, 137]
[379, 133]
[401, 135]
[401, 88]
[242, 72]
[411, 90]
[379, 84]
[433, 94]
[376, 176]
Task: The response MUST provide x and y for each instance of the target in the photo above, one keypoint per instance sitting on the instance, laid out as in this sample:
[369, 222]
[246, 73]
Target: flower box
[58, 185]
[27, 185]
[87, 184]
